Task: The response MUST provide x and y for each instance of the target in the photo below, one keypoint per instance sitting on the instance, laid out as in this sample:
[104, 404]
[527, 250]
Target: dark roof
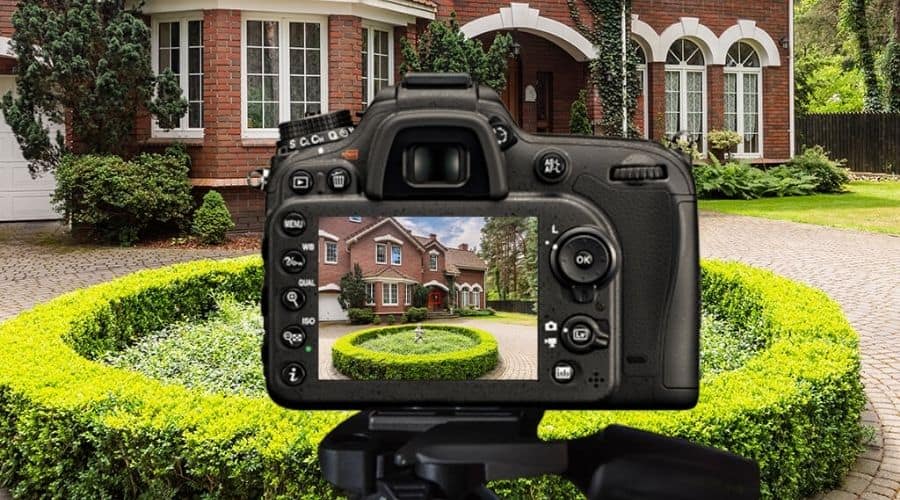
[464, 259]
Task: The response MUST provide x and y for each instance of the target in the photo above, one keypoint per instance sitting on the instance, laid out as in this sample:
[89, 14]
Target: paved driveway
[861, 271]
[517, 344]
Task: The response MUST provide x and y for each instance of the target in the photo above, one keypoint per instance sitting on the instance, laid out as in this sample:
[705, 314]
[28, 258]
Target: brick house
[393, 260]
[244, 67]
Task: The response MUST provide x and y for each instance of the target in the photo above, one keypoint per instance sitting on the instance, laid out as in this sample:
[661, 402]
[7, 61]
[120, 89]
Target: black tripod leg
[625, 464]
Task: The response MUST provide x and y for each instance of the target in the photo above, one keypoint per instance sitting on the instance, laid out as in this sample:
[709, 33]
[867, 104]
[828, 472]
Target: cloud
[450, 231]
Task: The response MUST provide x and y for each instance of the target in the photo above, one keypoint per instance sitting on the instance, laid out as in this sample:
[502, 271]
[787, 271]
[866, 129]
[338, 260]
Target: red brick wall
[7, 7]
[345, 63]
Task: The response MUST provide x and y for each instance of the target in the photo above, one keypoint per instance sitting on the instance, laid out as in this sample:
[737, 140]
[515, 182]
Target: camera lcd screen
[428, 298]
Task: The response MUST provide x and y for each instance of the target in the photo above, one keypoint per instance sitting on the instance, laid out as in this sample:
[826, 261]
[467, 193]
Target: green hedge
[74, 428]
[360, 363]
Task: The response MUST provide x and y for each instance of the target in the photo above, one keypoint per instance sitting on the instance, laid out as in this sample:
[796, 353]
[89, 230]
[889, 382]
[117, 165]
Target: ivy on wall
[607, 72]
[853, 15]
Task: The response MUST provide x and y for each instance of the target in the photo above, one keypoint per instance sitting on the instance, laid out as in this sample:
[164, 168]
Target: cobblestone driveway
[860, 271]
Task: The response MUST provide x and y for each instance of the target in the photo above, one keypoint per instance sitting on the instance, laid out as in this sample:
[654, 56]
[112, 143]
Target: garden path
[861, 271]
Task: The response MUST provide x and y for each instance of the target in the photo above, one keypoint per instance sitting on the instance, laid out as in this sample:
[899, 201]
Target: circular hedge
[82, 429]
[359, 363]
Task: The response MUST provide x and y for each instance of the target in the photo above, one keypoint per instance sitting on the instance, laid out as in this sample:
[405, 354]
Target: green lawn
[868, 206]
[510, 317]
[435, 341]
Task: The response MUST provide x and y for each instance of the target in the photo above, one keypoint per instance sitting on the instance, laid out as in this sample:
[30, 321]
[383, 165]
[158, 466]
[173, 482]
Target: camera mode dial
[315, 130]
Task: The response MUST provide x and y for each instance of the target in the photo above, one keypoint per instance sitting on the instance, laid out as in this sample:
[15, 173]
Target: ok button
[583, 259]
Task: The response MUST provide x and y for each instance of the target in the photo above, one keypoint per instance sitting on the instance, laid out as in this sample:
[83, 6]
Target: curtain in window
[694, 80]
[751, 113]
[673, 102]
[731, 102]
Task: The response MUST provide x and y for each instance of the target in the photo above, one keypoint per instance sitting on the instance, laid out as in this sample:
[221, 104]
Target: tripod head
[424, 454]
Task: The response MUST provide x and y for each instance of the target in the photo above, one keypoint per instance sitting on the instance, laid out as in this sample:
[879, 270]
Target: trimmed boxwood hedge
[75, 428]
[360, 363]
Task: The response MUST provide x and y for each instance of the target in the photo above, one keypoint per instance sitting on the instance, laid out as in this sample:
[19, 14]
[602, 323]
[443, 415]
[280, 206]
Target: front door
[511, 95]
[434, 300]
[544, 103]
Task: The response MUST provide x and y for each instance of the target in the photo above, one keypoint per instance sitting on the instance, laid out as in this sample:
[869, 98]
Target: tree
[85, 63]
[511, 262]
[444, 48]
[892, 65]
[353, 289]
[579, 122]
[854, 17]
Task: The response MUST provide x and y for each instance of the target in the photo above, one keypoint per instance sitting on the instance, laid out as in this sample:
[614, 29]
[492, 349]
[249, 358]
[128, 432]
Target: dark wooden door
[512, 94]
[434, 301]
[544, 102]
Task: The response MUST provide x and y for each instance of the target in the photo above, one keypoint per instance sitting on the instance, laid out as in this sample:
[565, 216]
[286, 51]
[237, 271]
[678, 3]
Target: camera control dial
[582, 257]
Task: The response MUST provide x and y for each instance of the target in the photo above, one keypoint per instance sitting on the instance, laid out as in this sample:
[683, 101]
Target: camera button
[563, 372]
[293, 261]
[293, 337]
[293, 224]
[583, 259]
[293, 299]
[552, 167]
[582, 334]
[302, 182]
[339, 179]
[293, 374]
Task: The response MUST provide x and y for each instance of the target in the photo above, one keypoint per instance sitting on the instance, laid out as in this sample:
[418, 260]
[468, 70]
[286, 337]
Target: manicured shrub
[120, 200]
[354, 360]
[391, 319]
[212, 220]
[742, 181]
[360, 316]
[579, 121]
[831, 175]
[471, 311]
[416, 314]
[82, 429]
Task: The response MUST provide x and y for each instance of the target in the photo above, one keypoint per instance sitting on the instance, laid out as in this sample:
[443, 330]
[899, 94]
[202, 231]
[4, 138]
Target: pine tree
[90, 60]
[579, 122]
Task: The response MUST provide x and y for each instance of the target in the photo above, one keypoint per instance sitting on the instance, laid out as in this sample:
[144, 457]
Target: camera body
[417, 197]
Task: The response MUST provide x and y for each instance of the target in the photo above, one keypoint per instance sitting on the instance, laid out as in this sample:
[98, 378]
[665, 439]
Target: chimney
[464, 247]
[432, 236]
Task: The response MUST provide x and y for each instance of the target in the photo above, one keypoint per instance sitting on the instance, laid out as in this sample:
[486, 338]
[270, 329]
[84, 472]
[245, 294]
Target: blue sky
[451, 231]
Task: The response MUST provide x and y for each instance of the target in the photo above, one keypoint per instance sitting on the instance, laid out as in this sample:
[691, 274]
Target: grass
[434, 341]
[511, 317]
[868, 206]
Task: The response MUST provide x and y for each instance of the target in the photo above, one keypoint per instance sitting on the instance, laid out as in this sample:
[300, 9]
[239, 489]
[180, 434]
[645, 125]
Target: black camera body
[612, 234]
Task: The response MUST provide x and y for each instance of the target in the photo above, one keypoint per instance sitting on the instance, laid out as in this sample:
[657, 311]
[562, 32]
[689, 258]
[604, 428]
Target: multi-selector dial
[583, 259]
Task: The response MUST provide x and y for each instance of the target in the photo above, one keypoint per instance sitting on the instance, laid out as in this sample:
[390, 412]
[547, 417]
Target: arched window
[464, 297]
[743, 97]
[686, 91]
[642, 76]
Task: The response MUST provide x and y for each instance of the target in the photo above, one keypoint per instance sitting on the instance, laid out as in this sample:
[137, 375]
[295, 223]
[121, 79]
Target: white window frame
[407, 300]
[370, 285]
[433, 262]
[392, 295]
[370, 55]
[184, 131]
[331, 244]
[385, 247]
[284, 61]
[740, 71]
[400, 254]
[682, 70]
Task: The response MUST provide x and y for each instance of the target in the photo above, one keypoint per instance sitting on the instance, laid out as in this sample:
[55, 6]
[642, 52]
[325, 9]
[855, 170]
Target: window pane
[297, 111]
[254, 60]
[254, 33]
[312, 62]
[312, 35]
[313, 91]
[175, 35]
[270, 115]
[194, 88]
[164, 33]
[165, 60]
[195, 33]
[297, 63]
[673, 102]
[176, 61]
[254, 88]
[195, 58]
[313, 108]
[270, 88]
[297, 89]
[195, 115]
[270, 34]
[270, 61]
[296, 35]
[254, 115]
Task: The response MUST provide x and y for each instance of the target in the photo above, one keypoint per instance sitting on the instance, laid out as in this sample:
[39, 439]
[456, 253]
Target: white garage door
[21, 197]
[330, 308]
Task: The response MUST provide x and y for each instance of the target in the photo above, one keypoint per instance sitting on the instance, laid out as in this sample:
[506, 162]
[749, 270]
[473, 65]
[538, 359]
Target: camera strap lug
[258, 178]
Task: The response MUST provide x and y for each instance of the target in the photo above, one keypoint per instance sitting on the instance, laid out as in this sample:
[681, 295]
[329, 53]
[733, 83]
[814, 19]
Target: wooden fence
[870, 142]
[515, 306]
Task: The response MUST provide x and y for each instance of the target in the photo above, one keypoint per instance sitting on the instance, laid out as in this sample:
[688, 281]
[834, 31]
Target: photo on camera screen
[428, 298]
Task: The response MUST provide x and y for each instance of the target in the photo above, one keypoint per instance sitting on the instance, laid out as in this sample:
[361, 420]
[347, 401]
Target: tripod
[425, 454]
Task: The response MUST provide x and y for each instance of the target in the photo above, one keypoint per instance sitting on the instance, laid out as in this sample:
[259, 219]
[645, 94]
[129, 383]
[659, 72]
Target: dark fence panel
[514, 306]
[870, 142]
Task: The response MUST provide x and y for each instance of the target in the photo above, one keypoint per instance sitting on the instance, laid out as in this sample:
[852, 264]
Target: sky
[451, 231]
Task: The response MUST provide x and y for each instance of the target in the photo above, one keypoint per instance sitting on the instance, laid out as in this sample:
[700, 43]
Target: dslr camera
[437, 255]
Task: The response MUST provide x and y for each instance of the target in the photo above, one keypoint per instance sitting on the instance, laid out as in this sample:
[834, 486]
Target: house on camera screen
[246, 66]
[393, 261]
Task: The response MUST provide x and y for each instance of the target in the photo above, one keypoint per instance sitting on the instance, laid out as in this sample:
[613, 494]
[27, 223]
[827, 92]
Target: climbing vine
[853, 15]
[605, 33]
